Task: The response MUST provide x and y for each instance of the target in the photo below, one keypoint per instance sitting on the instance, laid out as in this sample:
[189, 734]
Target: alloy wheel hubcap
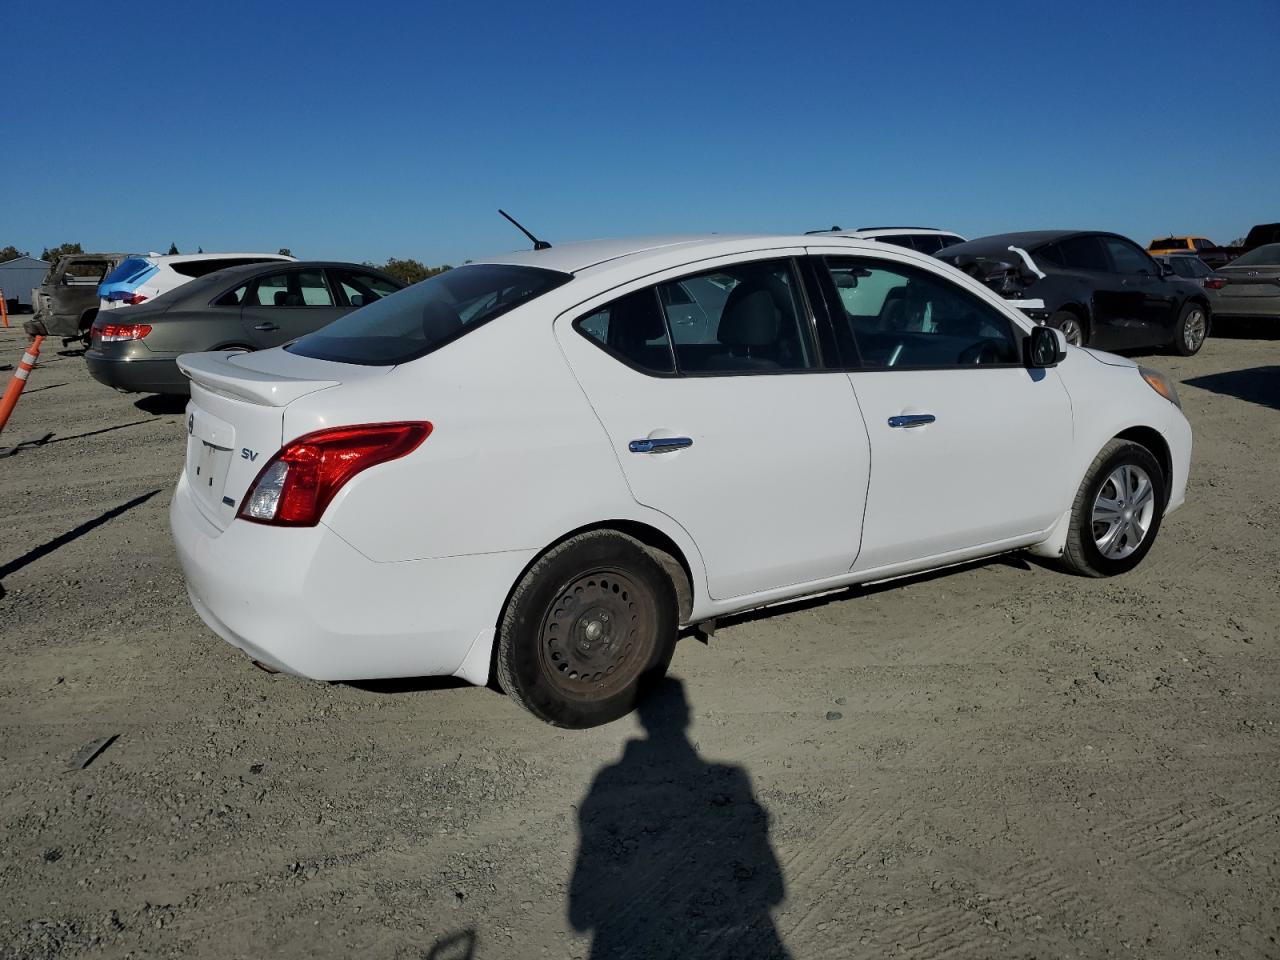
[596, 634]
[1123, 511]
[1071, 330]
[1193, 331]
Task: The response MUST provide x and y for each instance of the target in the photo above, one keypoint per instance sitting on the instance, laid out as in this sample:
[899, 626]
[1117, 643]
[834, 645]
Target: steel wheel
[1194, 329]
[594, 632]
[1123, 511]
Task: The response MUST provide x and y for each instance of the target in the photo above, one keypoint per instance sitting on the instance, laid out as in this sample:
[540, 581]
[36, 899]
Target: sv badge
[247, 454]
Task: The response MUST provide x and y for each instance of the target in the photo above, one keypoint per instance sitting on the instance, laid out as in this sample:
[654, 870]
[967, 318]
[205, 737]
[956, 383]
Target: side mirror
[1166, 268]
[1045, 347]
[357, 299]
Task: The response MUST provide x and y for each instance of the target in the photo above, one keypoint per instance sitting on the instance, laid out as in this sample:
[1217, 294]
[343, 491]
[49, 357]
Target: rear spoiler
[217, 373]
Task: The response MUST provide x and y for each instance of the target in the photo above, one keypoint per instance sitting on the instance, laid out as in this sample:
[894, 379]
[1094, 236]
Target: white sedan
[543, 465]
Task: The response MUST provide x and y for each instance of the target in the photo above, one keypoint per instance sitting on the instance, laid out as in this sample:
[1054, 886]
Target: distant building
[18, 277]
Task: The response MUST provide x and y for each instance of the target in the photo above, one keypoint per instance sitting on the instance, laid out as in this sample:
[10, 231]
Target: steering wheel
[984, 351]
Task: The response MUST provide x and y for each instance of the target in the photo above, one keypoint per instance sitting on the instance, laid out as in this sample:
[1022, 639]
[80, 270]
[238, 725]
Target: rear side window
[83, 272]
[426, 316]
[632, 329]
[745, 318]
[741, 319]
[294, 288]
[1083, 253]
[1169, 243]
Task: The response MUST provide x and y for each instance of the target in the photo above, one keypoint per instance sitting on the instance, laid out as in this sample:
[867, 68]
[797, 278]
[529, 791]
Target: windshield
[426, 316]
[1267, 255]
[1169, 243]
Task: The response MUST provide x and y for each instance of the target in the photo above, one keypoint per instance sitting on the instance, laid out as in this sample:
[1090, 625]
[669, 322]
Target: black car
[249, 307]
[1099, 289]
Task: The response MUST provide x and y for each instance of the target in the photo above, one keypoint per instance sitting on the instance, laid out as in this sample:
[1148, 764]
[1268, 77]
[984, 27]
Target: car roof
[161, 260]
[1026, 239]
[870, 232]
[580, 256]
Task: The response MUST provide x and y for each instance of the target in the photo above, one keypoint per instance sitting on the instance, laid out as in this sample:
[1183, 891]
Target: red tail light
[1215, 283]
[297, 484]
[114, 332]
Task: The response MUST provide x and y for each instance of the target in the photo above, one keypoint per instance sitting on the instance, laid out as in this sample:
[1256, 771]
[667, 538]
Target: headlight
[1161, 384]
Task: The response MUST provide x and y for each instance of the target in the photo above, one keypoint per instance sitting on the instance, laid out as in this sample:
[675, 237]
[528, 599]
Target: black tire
[1074, 327]
[1083, 555]
[1192, 329]
[561, 652]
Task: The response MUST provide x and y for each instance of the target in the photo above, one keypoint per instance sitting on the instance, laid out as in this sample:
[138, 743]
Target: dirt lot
[1001, 761]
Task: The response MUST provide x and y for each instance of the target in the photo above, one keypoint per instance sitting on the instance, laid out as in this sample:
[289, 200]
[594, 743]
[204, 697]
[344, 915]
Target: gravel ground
[999, 761]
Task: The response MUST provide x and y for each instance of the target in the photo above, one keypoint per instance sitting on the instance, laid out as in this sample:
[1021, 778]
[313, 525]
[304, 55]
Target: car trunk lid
[235, 420]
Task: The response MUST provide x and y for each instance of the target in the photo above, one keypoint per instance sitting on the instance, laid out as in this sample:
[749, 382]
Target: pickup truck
[1202, 247]
[66, 302]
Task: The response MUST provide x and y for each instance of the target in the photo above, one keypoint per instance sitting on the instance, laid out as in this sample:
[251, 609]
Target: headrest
[281, 298]
[439, 321]
[750, 317]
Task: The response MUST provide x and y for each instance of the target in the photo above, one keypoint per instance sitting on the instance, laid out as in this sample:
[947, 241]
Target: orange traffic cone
[19, 381]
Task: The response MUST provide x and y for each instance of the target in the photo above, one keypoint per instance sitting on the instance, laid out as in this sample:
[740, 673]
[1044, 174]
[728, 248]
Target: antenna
[537, 244]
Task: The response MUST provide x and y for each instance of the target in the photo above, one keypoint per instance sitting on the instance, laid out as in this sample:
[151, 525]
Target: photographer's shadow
[674, 857]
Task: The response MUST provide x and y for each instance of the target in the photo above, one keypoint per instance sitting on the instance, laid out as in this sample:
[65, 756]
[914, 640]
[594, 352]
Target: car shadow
[674, 857]
[161, 403]
[1017, 561]
[1260, 385]
[397, 685]
[1246, 328]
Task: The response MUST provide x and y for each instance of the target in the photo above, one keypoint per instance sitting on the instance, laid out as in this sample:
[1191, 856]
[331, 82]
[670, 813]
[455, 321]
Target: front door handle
[659, 444]
[266, 327]
[912, 420]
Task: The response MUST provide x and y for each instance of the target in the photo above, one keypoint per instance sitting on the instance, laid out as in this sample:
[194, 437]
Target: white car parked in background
[547, 463]
[139, 279]
[925, 239]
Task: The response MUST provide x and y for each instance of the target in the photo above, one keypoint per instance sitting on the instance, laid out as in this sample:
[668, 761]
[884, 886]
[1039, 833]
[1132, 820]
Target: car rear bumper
[138, 375]
[304, 601]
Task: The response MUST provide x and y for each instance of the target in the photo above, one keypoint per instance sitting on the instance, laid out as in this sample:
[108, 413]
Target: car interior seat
[749, 327]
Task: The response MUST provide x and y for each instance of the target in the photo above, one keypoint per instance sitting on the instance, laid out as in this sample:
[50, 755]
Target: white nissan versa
[544, 464]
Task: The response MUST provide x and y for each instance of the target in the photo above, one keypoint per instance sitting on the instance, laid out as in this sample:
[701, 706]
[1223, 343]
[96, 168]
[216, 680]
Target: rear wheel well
[1081, 314]
[1153, 441]
[658, 544]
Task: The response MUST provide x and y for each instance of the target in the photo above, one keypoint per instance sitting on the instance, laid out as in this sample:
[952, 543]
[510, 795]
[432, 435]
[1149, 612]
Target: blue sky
[366, 131]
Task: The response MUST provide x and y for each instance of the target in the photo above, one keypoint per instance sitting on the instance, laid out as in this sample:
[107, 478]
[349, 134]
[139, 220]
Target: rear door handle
[659, 444]
[266, 327]
[911, 420]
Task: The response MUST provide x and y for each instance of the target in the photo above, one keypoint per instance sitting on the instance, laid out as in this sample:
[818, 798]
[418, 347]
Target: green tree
[411, 271]
[285, 252]
[11, 253]
[61, 250]
[173, 249]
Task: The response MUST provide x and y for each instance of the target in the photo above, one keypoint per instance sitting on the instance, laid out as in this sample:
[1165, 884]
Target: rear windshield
[427, 315]
[1169, 243]
[1266, 255]
[128, 269]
